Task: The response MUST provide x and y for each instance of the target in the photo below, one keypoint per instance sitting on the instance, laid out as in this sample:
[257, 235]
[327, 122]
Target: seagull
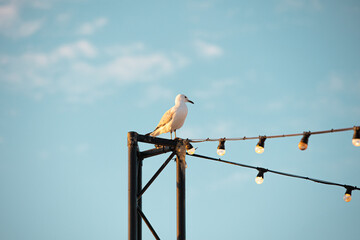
[173, 118]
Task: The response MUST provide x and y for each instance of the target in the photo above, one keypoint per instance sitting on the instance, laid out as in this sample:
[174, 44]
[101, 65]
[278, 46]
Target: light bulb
[190, 151]
[259, 149]
[260, 177]
[189, 148]
[347, 197]
[221, 147]
[260, 145]
[259, 180]
[356, 137]
[302, 146]
[220, 152]
[356, 142]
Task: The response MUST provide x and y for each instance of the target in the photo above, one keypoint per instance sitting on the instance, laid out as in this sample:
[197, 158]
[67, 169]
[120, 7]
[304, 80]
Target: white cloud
[91, 27]
[71, 69]
[80, 48]
[8, 15]
[208, 50]
[12, 25]
[145, 67]
[28, 28]
[130, 49]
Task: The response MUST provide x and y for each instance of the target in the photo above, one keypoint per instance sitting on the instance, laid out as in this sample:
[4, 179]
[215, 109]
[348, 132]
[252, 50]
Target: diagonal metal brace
[148, 224]
[155, 175]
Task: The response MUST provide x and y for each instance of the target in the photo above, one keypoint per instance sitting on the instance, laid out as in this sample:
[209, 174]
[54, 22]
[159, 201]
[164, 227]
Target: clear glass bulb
[356, 142]
[221, 152]
[259, 180]
[191, 151]
[259, 149]
[347, 197]
[302, 146]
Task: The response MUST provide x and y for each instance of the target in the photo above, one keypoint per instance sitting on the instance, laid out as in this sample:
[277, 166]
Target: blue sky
[76, 76]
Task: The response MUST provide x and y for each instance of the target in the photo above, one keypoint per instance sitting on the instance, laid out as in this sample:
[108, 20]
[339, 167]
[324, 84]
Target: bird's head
[182, 98]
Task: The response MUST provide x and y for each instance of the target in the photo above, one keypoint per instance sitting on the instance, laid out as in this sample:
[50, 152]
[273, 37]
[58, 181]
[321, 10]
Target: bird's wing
[166, 118]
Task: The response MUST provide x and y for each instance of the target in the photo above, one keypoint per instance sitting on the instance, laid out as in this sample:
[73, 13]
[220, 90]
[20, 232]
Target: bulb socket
[221, 145]
[188, 145]
[305, 138]
[356, 133]
[261, 142]
[348, 190]
[303, 144]
[261, 172]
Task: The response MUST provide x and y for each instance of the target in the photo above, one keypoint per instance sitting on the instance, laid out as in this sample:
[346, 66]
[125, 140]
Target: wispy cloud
[72, 69]
[11, 24]
[145, 67]
[91, 27]
[131, 49]
[77, 49]
[208, 50]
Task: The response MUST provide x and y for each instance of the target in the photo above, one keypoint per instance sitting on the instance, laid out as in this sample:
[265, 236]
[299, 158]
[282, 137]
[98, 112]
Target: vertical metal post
[132, 188]
[180, 190]
[139, 203]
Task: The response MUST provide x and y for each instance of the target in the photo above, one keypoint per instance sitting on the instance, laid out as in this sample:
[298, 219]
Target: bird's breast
[180, 114]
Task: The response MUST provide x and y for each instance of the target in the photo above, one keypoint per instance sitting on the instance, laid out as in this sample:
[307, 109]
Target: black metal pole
[180, 190]
[139, 202]
[133, 185]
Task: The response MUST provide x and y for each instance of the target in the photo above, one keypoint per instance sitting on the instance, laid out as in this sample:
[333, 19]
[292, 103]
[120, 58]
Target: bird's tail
[154, 133]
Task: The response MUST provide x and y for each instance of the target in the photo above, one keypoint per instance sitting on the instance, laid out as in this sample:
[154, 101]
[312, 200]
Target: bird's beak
[190, 101]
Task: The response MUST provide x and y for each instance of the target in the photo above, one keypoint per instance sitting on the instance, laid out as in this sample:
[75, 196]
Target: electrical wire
[276, 172]
[274, 136]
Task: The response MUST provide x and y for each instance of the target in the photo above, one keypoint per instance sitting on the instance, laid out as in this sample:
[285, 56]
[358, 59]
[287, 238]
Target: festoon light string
[260, 146]
[303, 144]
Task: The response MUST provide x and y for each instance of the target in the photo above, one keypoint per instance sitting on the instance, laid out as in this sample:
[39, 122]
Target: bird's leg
[170, 135]
[175, 133]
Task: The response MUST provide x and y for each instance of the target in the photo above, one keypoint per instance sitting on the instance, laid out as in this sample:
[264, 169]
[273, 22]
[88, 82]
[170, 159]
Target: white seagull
[173, 118]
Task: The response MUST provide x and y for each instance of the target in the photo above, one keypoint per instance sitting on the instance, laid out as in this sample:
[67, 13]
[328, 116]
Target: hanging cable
[356, 130]
[348, 188]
